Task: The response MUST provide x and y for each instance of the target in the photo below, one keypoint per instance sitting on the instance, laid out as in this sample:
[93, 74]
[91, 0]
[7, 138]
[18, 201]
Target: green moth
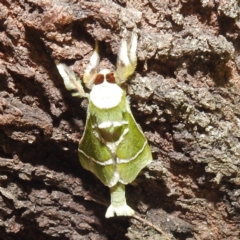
[113, 146]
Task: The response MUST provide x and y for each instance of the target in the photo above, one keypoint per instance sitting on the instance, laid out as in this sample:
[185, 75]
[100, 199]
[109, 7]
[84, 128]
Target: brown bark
[185, 95]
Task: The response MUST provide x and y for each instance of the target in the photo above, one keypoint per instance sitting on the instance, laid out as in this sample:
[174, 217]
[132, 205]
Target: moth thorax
[105, 94]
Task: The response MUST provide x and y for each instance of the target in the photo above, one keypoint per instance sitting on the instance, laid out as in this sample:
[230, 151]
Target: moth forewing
[133, 152]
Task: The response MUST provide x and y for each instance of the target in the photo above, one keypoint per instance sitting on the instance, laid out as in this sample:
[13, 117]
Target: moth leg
[118, 205]
[92, 68]
[127, 58]
[71, 82]
[132, 52]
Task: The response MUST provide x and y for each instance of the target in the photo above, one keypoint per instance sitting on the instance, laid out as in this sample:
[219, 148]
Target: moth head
[105, 76]
[105, 93]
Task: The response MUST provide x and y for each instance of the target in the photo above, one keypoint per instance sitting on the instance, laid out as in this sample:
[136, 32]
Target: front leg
[92, 68]
[74, 84]
[70, 81]
[127, 58]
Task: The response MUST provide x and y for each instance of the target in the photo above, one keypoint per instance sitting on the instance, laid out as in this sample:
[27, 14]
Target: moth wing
[133, 152]
[94, 155]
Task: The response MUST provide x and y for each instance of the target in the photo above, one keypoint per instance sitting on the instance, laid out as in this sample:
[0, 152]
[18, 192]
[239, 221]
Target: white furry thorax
[106, 95]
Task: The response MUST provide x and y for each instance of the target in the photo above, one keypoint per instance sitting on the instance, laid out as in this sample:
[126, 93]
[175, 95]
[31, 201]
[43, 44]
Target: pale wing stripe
[121, 160]
[115, 178]
[108, 124]
[105, 163]
[122, 136]
[113, 145]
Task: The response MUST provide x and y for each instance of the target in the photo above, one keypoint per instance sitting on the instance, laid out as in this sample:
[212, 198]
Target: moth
[113, 146]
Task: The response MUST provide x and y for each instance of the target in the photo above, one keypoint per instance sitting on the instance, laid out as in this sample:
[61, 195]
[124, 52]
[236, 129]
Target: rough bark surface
[185, 95]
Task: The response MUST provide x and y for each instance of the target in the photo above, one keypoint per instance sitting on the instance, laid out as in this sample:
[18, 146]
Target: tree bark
[185, 95]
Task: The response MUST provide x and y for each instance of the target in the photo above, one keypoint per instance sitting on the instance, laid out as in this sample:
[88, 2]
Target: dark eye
[99, 79]
[110, 78]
